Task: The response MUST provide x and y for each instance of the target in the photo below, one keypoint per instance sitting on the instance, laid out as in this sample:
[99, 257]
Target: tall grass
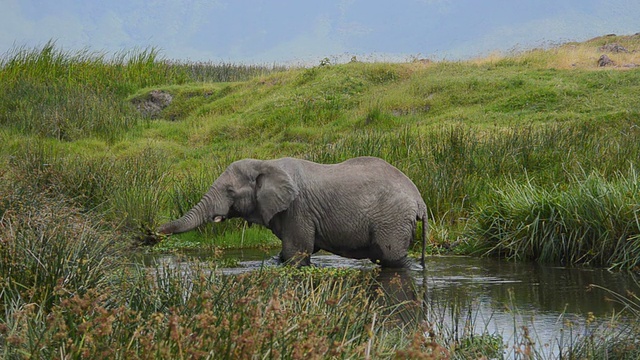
[193, 311]
[120, 74]
[132, 192]
[109, 309]
[457, 167]
[49, 249]
[592, 221]
[127, 191]
[222, 72]
[69, 96]
[66, 294]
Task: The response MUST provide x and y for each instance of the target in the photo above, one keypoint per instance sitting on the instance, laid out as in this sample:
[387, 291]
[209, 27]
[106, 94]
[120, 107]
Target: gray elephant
[363, 208]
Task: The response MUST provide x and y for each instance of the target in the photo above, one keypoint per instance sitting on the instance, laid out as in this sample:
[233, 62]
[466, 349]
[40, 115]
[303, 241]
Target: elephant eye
[230, 191]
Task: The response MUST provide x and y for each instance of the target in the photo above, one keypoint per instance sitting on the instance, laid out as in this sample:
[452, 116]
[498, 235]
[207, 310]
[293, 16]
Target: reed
[127, 190]
[207, 71]
[57, 303]
[194, 311]
[49, 249]
[592, 221]
[84, 298]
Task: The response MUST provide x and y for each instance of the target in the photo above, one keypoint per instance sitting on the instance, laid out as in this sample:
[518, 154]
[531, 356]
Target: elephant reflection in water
[403, 299]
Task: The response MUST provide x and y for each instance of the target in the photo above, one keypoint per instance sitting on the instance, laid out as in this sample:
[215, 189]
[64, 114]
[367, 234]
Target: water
[492, 296]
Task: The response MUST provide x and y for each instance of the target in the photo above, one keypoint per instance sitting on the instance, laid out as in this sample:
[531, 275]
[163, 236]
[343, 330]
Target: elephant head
[255, 190]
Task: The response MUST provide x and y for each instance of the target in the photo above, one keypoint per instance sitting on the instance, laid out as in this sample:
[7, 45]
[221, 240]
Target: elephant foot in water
[402, 263]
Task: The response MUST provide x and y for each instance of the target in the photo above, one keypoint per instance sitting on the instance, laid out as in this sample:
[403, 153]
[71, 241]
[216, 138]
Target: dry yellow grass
[573, 55]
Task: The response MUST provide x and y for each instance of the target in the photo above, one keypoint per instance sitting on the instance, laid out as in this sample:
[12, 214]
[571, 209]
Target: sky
[300, 31]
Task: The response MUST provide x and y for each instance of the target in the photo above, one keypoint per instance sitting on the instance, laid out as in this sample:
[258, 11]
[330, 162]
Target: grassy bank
[463, 131]
[527, 156]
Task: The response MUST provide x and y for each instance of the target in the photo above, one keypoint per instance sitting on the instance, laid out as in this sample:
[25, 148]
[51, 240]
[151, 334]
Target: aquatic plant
[591, 221]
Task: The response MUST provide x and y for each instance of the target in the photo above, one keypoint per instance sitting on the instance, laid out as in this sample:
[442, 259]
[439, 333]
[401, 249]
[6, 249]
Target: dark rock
[614, 48]
[605, 61]
[152, 105]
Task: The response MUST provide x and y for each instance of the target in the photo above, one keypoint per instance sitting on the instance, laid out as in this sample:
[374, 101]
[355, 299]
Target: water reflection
[490, 296]
[526, 286]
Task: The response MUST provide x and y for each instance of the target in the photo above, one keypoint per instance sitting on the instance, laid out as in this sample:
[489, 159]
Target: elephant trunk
[195, 217]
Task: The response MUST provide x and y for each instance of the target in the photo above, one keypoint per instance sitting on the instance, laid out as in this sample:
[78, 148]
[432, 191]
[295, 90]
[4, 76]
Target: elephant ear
[275, 191]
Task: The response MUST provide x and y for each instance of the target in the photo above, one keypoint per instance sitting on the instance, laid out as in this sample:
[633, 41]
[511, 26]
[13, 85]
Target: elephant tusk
[218, 218]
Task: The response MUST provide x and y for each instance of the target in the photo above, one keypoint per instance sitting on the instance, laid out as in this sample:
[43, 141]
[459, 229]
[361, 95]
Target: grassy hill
[527, 155]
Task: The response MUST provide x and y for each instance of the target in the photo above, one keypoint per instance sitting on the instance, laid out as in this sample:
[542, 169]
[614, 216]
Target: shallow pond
[488, 295]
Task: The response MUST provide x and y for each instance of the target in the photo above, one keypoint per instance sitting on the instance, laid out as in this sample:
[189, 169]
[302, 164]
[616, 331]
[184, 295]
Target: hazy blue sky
[262, 31]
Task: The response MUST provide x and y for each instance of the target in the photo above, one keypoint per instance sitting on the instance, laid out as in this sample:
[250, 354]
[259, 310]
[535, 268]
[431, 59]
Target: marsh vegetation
[530, 157]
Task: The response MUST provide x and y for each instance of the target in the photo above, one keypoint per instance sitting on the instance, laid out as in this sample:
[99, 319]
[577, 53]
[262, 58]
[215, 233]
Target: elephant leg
[293, 240]
[391, 241]
[297, 245]
[297, 258]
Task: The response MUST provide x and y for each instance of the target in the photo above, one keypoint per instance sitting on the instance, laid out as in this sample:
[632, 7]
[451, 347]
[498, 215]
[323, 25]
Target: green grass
[527, 156]
[462, 131]
[231, 235]
[69, 96]
[593, 221]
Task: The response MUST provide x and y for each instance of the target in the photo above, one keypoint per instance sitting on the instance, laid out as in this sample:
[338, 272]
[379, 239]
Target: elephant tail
[425, 229]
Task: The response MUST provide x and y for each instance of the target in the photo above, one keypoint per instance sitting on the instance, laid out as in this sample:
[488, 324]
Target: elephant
[362, 208]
